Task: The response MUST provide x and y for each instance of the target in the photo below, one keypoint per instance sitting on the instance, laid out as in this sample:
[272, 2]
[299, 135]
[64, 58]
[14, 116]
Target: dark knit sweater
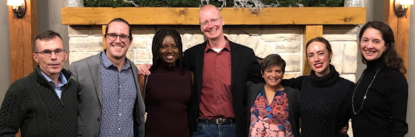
[384, 110]
[32, 105]
[324, 103]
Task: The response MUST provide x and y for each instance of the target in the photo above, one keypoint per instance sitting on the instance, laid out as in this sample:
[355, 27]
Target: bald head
[209, 9]
[211, 23]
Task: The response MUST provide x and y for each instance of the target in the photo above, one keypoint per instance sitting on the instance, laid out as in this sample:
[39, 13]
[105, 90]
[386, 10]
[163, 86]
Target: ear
[391, 45]
[130, 41]
[35, 57]
[66, 55]
[330, 55]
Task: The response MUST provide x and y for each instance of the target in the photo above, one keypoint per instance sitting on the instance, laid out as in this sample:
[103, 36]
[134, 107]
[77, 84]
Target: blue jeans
[204, 129]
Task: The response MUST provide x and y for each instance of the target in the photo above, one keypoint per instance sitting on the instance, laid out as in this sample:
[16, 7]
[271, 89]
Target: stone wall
[287, 41]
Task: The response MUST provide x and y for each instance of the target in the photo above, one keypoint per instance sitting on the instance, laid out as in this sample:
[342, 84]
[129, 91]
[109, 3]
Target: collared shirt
[118, 98]
[216, 97]
[58, 88]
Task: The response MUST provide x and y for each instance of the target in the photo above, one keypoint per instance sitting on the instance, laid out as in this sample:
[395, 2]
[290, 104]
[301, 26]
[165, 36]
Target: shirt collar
[227, 46]
[107, 63]
[61, 77]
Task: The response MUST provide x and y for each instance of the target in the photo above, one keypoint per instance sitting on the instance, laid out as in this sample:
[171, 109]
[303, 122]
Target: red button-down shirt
[216, 98]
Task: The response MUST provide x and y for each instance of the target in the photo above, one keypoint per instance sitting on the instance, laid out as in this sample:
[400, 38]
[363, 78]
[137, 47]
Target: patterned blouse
[270, 120]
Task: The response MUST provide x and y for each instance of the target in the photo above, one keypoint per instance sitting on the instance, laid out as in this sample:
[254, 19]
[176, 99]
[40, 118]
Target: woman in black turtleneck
[380, 98]
[325, 96]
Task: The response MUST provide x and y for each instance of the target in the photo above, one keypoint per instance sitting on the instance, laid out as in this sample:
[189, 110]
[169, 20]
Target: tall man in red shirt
[221, 69]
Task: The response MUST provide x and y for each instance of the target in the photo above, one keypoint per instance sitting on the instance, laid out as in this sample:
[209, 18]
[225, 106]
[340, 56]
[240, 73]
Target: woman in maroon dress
[167, 90]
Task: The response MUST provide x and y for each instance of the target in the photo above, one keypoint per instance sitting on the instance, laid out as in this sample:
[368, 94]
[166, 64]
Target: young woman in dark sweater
[324, 95]
[381, 94]
[168, 89]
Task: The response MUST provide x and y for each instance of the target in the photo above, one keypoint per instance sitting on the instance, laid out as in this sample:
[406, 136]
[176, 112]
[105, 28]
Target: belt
[219, 121]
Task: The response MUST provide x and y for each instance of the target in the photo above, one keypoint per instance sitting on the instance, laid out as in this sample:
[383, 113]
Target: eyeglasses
[57, 52]
[122, 37]
[213, 21]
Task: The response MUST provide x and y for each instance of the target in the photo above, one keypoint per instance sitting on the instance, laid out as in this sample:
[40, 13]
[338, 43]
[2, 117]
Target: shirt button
[119, 114]
[119, 100]
[119, 128]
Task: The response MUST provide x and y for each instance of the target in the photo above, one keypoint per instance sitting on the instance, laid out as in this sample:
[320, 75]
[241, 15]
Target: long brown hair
[392, 59]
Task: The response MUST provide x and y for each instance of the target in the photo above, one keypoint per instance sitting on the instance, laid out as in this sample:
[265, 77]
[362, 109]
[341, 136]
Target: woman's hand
[144, 69]
[344, 129]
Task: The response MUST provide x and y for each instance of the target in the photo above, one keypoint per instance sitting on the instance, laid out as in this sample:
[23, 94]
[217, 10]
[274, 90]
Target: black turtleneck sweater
[384, 110]
[324, 103]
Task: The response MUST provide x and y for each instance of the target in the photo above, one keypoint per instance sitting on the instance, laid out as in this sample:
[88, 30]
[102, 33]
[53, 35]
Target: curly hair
[391, 58]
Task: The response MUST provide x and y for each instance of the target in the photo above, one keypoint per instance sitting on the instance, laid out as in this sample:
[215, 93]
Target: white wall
[374, 11]
[4, 49]
[411, 76]
[49, 18]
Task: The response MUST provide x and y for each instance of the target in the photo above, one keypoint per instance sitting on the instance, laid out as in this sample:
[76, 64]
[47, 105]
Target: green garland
[196, 3]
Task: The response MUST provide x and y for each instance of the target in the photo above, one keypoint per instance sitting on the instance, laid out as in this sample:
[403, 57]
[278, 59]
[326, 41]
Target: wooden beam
[389, 16]
[400, 28]
[22, 33]
[402, 41]
[104, 46]
[310, 32]
[232, 16]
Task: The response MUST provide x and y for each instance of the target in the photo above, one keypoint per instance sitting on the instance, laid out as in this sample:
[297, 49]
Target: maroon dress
[167, 97]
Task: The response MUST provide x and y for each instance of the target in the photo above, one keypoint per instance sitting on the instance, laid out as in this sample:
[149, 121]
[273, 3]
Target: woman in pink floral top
[272, 108]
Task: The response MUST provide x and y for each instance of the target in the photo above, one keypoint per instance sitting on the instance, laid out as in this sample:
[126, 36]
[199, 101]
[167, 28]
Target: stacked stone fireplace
[264, 40]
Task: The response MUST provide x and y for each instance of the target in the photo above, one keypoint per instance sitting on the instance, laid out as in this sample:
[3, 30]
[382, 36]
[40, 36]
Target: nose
[53, 55]
[117, 39]
[369, 44]
[273, 74]
[169, 49]
[316, 58]
[210, 24]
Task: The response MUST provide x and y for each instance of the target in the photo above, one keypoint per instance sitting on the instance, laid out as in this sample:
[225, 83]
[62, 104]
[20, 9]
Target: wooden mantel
[189, 16]
[313, 18]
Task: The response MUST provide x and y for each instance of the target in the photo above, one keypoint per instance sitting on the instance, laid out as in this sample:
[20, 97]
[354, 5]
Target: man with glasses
[110, 103]
[221, 69]
[44, 103]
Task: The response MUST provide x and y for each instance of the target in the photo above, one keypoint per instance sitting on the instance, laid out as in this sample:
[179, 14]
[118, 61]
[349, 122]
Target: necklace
[367, 90]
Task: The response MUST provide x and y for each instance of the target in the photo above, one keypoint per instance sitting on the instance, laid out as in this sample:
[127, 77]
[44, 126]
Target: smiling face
[372, 44]
[169, 51]
[273, 76]
[117, 49]
[211, 22]
[50, 64]
[318, 58]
